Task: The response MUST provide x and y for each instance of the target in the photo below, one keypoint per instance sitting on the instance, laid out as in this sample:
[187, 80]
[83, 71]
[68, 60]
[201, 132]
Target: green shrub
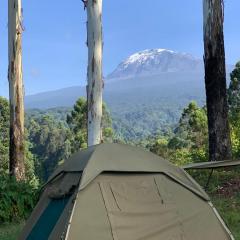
[17, 199]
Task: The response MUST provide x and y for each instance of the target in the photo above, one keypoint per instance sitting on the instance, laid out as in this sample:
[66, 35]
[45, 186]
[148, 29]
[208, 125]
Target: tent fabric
[76, 163]
[63, 185]
[123, 158]
[89, 219]
[38, 211]
[142, 206]
[48, 219]
[211, 165]
[135, 207]
[61, 227]
[119, 192]
[49, 205]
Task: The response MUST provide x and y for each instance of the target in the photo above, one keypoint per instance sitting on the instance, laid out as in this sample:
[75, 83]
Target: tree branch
[85, 3]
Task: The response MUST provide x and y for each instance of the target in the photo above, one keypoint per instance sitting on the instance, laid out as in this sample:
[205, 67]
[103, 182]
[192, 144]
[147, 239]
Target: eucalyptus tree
[94, 73]
[15, 29]
[215, 80]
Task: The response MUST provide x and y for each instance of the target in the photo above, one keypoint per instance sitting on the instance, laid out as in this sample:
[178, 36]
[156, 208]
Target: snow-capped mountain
[146, 91]
[155, 61]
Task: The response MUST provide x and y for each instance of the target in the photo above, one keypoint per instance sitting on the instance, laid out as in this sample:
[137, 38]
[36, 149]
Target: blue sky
[54, 50]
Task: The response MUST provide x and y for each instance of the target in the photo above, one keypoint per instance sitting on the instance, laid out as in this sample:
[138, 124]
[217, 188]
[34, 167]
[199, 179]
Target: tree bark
[215, 81]
[95, 81]
[16, 148]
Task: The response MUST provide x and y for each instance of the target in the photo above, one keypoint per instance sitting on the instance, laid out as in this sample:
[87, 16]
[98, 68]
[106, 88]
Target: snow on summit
[145, 55]
[156, 61]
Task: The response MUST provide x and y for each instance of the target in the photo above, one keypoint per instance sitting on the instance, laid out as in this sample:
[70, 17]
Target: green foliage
[17, 199]
[134, 122]
[10, 231]
[192, 128]
[160, 147]
[234, 92]
[234, 109]
[188, 142]
[4, 133]
[31, 175]
[49, 144]
[54, 135]
[77, 121]
[59, 113]
[235, 137]
[4, 144]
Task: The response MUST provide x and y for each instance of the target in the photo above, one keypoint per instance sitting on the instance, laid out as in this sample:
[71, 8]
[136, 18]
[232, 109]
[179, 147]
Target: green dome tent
[120, 192]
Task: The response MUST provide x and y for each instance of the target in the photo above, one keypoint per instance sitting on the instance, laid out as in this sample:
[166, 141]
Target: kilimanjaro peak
[155, 61]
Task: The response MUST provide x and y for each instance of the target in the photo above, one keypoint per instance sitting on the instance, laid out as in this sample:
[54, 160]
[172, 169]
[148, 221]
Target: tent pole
[209, 178]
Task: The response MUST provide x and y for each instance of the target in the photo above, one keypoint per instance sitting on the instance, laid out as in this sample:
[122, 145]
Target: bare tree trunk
[215, 81]
[16, 151]
[95, 81]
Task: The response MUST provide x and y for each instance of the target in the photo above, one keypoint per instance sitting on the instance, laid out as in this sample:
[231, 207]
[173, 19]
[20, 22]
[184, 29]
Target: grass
[10, 231]
[229, 209]
[224, 190]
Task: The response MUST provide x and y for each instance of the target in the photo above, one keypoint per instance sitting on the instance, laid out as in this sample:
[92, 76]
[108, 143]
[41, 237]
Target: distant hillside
[145, 94]
[65, 97]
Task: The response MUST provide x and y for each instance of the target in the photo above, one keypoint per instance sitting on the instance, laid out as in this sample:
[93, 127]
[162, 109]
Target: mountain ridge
[155, 61]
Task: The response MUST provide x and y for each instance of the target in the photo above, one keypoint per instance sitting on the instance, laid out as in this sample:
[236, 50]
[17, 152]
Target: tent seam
[111, 227]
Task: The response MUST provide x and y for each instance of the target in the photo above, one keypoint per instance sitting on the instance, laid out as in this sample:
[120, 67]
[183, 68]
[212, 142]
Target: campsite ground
[224, 190]
[10, 231]
[229, 209]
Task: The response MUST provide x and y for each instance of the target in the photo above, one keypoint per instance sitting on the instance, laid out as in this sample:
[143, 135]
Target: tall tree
[191, 132]
[77, 121]
[95, 81]
[215, 81]
[15, 29]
